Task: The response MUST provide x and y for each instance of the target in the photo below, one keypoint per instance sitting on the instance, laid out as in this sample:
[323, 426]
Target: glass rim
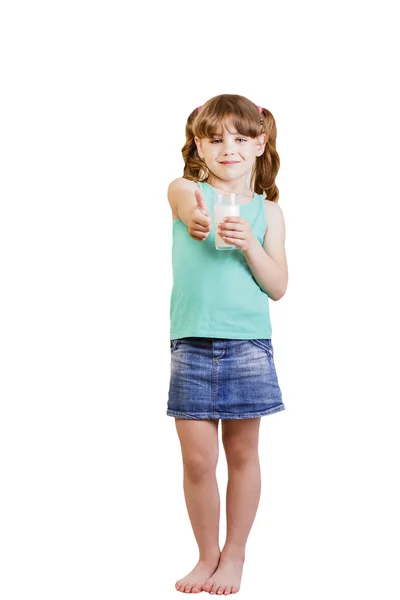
[227, 197]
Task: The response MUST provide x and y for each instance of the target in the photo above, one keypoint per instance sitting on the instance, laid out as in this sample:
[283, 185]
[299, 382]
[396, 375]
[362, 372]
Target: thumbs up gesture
[199, 222]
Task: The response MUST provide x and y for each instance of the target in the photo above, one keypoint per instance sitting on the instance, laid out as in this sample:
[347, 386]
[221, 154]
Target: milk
[220, 212]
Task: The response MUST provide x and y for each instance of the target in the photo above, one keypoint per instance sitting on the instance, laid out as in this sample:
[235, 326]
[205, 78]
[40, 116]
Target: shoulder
[177, 188]
[272, 208]
[182, 184]
[274, 214]
[275, 234]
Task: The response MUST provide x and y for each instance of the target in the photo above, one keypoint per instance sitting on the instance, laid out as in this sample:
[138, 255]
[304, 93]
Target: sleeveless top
[214, 293]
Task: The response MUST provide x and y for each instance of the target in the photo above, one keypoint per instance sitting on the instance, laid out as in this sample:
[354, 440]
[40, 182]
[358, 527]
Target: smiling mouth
[229, 162]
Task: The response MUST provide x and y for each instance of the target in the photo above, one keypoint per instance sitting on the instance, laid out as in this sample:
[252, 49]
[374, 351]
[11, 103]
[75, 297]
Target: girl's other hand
[199, 222]
[237, 231]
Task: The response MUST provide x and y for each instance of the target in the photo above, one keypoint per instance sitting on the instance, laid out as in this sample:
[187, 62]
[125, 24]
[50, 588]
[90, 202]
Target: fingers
[202, 228]
[201, 222]
[230, 227]
[201, 203]
[231, 232]
[230, 235]
[199, 235]
[201, 219]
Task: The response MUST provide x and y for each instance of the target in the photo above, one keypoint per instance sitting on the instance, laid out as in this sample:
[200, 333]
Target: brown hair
[248, 121]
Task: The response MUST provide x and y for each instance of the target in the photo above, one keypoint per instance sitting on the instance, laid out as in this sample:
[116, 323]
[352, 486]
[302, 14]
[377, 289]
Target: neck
[236, 186]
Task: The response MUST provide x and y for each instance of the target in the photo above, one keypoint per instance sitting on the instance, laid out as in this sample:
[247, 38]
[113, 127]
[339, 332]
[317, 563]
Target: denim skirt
[215, 378]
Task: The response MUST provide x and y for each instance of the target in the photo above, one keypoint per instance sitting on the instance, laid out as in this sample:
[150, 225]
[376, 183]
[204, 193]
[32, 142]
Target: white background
[94, 101]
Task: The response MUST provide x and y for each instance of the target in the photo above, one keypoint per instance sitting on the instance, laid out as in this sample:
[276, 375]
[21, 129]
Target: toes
[220, 590]
[188, 587]
[178, 585]
[206, 587]
[214, 588]
[227, 590]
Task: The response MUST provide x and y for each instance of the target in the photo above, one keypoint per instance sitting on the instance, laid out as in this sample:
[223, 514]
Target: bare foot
[194, 580]
[226, 579]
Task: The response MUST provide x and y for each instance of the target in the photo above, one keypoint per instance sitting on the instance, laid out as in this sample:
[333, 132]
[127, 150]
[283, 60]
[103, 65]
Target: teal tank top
[214, 293]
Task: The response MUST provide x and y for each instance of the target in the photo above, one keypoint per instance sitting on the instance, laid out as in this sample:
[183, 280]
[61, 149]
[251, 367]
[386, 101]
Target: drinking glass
[225, 205]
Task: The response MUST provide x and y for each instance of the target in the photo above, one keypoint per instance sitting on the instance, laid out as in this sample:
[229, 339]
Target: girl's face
[228, 154]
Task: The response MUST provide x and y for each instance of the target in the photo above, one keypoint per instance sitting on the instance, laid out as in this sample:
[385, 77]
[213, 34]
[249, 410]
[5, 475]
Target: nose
[227, 148]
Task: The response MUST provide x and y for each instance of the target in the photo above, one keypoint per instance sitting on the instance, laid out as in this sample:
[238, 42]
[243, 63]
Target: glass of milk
[225, 205]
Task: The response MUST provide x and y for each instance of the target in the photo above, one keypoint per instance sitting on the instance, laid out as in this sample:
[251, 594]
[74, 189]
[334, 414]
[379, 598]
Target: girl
[222, 359]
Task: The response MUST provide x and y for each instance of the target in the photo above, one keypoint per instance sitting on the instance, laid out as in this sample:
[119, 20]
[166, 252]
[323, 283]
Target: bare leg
[199, 445]
[240, 439]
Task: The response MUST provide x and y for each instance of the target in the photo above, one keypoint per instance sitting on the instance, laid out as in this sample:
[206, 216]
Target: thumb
[201, 203]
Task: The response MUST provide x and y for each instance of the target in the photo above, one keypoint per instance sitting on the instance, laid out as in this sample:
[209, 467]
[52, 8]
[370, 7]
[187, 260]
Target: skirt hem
[224, 415]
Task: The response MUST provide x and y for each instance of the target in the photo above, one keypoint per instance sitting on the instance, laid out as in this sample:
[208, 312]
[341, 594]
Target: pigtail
[267, 165]
[195, 168]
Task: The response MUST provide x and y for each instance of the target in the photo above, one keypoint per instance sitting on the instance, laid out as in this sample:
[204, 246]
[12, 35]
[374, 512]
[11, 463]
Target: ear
[260, 143]
[198, 143]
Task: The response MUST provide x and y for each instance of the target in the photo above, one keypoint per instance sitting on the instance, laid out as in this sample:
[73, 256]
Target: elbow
[279, 295]
[283, 289]
[275, 297]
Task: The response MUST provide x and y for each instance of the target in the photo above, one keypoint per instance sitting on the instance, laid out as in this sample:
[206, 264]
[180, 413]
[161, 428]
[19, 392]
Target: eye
[241, 139]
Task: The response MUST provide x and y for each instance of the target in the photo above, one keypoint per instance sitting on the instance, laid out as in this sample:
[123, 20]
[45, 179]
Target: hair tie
[259, 109]
[199, 108]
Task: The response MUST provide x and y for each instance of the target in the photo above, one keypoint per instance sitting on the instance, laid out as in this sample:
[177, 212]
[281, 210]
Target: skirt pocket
[174, 344]
[265, 344]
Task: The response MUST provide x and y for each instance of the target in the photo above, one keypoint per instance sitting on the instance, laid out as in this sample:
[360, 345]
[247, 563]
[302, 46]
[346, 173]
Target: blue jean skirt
[215, 378]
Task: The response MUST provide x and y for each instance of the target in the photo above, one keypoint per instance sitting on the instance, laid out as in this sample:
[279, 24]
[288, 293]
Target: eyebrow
[220, 134]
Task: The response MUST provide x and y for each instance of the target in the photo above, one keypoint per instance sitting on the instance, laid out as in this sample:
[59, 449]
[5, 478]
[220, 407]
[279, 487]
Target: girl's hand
[236, 231]
[199, 222]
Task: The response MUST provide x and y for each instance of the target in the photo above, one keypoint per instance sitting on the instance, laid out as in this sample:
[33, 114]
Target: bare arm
[188, 202]
[181, 197]
[268, 262]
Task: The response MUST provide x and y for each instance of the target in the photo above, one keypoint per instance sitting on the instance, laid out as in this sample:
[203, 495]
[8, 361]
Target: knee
[239, 454]
[198, 466]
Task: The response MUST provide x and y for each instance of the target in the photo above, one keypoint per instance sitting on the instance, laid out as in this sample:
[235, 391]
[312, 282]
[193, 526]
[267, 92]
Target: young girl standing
[222, 358]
